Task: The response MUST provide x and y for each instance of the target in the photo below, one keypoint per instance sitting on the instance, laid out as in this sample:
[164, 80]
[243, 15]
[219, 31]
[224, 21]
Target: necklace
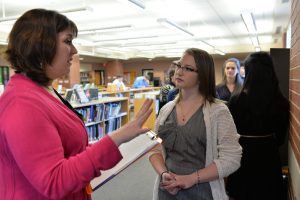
[185, 115]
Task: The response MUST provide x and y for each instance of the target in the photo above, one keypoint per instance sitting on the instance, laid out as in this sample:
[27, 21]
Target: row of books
[98, 131]
[4, 75]
[95, 132]
[113, 124]
[100, 112]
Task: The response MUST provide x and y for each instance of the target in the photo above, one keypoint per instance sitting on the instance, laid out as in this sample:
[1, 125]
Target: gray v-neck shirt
[185, 153]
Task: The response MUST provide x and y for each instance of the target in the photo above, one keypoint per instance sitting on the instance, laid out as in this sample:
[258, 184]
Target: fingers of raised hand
[145, 112]
[145, 107]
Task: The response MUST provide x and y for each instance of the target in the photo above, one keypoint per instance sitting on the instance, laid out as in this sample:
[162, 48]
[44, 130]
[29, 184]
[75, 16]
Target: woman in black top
[232, 81]
[261, 115]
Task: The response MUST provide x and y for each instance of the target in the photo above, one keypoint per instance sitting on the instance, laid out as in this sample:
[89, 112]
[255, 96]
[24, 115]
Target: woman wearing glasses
[200, 142]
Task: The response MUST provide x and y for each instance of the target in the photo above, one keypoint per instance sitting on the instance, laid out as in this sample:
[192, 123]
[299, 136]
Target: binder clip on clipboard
[153, 136]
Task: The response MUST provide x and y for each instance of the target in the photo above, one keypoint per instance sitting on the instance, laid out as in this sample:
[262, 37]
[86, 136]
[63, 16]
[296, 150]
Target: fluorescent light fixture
[138, 3]
[257, 49]
[126, 39]
[174, 26]
[83, 42]
[105, 29]
[254, 40]
[249, 22]
[14, 18]
[9, 19]
[77, 10]
[146, 45]
[220, 52]
[208, 45]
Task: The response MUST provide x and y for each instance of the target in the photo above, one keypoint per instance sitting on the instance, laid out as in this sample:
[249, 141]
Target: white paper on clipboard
[131, 151]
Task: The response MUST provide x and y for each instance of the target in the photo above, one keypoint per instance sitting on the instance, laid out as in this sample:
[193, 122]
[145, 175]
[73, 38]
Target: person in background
[119, 82]
[232, 81]
[242, 71]
[44, 147]
[170, 84]
[199, 139]
[141, 82]
[261, 115]
[172, 94]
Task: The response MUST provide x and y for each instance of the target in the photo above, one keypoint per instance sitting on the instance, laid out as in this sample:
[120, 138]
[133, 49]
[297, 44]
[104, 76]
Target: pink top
[44, 151]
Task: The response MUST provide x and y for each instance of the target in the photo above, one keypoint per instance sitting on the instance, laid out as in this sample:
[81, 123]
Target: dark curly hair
[32, 42]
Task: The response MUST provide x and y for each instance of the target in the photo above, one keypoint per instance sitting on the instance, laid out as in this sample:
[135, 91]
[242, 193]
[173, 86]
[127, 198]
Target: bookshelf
[4, 75]
[85, 77]
[140, 98]
[103, 116]
[129, 93]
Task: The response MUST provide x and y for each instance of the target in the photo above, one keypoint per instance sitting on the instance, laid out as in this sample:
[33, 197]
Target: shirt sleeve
[37, 150]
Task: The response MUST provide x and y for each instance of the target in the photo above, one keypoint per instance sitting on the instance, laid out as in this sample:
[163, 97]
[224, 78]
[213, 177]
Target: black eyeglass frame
[187, 68]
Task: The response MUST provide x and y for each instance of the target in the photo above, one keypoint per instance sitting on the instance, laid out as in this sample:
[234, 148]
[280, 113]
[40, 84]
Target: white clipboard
[131, 151]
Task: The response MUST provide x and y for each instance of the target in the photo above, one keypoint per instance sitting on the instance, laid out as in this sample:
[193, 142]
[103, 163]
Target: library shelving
[136, 99]
[4, 75]
[103, 116]
[129, 93]
[85, 77]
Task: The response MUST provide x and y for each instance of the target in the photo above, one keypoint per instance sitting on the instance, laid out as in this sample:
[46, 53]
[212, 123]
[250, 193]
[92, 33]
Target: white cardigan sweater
[222, 146]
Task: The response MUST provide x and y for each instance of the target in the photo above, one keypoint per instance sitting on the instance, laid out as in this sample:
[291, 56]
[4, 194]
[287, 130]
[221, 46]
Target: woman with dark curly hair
[44, 146]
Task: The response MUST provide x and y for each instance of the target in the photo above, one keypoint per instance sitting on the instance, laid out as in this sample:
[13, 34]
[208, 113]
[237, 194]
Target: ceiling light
[249, 22]
[105, 29]
[257, 49]
[86, 8]
[14, 18]
[172, 25]
[220, 52]
[126, 39]
[9, 20]
[138, 3]
[254, 40]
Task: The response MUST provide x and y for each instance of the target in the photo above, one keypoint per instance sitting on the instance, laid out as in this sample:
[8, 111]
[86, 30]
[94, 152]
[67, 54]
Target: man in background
[141, 82]
[119, 82]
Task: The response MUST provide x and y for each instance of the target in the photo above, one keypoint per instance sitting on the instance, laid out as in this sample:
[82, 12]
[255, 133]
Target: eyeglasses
[186, 68]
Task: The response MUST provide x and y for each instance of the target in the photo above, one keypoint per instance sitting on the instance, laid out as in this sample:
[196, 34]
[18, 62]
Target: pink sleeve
[36, 147]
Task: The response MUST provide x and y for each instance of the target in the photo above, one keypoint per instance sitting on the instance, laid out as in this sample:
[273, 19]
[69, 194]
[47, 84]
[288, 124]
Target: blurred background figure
[119, 82]
[167, 87]
[232, 81]
[141, 81]
[242, 70]
[261, 115]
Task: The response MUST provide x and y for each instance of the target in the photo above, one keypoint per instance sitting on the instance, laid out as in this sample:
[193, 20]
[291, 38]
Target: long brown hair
[206, 72]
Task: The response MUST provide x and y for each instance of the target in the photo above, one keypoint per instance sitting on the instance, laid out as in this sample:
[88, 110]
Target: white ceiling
[214, 22]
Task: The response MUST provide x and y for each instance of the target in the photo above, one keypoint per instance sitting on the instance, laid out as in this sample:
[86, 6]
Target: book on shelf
[81, 95]
[4, 75]
[1, 79]
[101, 118]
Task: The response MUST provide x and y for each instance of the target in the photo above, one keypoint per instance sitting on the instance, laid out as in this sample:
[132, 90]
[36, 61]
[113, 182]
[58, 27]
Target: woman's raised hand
[135, 126]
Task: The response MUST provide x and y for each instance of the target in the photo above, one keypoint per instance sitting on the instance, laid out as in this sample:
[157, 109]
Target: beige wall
[294, 139]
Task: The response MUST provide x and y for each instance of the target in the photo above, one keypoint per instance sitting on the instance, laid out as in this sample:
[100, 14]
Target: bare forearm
[200, 176]
[207, 174]
[158, 163]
